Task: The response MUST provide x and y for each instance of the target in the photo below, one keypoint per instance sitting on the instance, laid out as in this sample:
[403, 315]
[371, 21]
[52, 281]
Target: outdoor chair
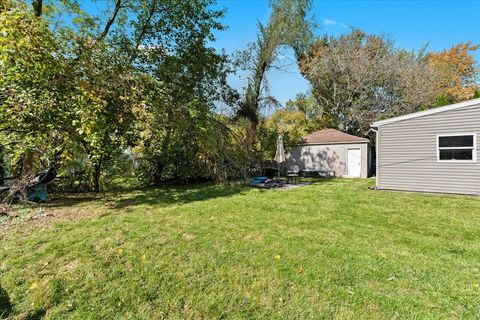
[293, 175]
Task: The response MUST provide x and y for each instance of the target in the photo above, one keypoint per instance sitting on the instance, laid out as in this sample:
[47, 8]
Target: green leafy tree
[63, 88]
[89, 77]
[299, 118]
[178, 134]
[32, 87]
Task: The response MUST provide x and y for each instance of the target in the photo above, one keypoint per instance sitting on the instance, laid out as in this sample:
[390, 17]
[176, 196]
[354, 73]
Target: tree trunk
[28, 163]
[157, 176]
[251, 134]
[37, 7]
[97, 170]
[2, 167]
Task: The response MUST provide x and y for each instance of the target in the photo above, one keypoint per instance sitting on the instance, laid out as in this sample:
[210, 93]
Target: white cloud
[329, 22]
[332, 23]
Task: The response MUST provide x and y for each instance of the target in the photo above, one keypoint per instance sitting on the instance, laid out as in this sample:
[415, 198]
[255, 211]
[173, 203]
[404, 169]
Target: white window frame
[474, 148]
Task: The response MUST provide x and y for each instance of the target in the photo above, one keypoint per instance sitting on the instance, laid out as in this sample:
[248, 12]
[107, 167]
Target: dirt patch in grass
[68, 207]
[29, 217]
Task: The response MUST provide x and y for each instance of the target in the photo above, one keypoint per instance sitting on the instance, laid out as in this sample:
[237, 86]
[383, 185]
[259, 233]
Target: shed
[430, 151]
[333, 152]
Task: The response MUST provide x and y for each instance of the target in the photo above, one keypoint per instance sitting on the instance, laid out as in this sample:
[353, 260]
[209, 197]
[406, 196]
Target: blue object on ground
[38, 193]
[265, 183]
[258, 180]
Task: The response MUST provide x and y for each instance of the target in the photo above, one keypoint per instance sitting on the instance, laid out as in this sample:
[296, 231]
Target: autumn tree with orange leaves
[458, 75]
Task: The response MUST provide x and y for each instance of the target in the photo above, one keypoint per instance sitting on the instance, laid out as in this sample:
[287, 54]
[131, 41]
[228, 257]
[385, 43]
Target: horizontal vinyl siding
[407, 154]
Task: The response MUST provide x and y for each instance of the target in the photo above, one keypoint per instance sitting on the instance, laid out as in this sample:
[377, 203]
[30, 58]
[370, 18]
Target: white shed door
[354, 163]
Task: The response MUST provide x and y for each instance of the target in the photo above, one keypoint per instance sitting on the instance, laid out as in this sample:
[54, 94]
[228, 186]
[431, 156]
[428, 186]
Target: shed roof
[331, 136]
[455, 106]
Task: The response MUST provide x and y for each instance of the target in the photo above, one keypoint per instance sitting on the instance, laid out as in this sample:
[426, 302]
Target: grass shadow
[163, 196]
[71, 199]
[166, 196]
[6, 306]
[36, 315]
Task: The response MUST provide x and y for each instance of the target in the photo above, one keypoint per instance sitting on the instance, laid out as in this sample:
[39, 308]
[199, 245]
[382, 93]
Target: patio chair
[293, 175]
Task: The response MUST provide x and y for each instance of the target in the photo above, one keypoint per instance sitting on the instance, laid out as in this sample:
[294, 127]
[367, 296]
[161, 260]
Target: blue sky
[411, 24]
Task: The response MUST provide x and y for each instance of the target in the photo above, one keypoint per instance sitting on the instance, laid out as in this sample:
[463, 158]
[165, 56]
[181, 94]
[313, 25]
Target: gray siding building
[332, 152]
[430, 151]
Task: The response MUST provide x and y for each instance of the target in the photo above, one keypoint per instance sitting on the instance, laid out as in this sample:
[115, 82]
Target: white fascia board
[327, 143]
[419, 114]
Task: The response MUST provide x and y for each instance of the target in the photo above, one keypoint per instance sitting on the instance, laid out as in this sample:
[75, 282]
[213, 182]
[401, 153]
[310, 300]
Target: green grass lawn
[332, 250]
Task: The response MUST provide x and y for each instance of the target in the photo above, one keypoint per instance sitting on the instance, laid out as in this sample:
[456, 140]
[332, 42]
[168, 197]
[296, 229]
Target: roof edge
[419, 114]
[333, 142]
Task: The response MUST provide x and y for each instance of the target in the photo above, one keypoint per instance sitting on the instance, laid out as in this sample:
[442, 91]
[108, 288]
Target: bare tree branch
[146, 24]
[111, 20]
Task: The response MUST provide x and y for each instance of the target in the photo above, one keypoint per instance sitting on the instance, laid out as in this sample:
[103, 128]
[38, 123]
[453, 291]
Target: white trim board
[419, 114]
[326, 143]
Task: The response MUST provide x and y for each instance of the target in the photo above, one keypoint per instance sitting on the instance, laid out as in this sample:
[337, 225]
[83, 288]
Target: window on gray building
[456, 147]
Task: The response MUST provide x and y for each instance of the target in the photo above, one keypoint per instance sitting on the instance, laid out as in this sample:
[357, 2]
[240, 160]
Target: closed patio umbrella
[279, 153]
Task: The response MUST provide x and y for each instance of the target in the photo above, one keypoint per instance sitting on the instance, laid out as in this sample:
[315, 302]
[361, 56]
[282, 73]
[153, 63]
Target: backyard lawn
[333, 250]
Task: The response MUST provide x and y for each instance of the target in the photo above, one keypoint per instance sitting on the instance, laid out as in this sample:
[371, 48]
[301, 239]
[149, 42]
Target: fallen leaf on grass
[188, 236]
[70, 306]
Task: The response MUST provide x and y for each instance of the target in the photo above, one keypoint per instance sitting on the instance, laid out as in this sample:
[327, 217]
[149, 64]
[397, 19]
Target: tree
[299, 118]
[312, 111]
[83, 80]
[178, 134]
[359, 78]
[108, 91]
[32, 86]
[458, 74]
[288, 26]
[103, 84]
